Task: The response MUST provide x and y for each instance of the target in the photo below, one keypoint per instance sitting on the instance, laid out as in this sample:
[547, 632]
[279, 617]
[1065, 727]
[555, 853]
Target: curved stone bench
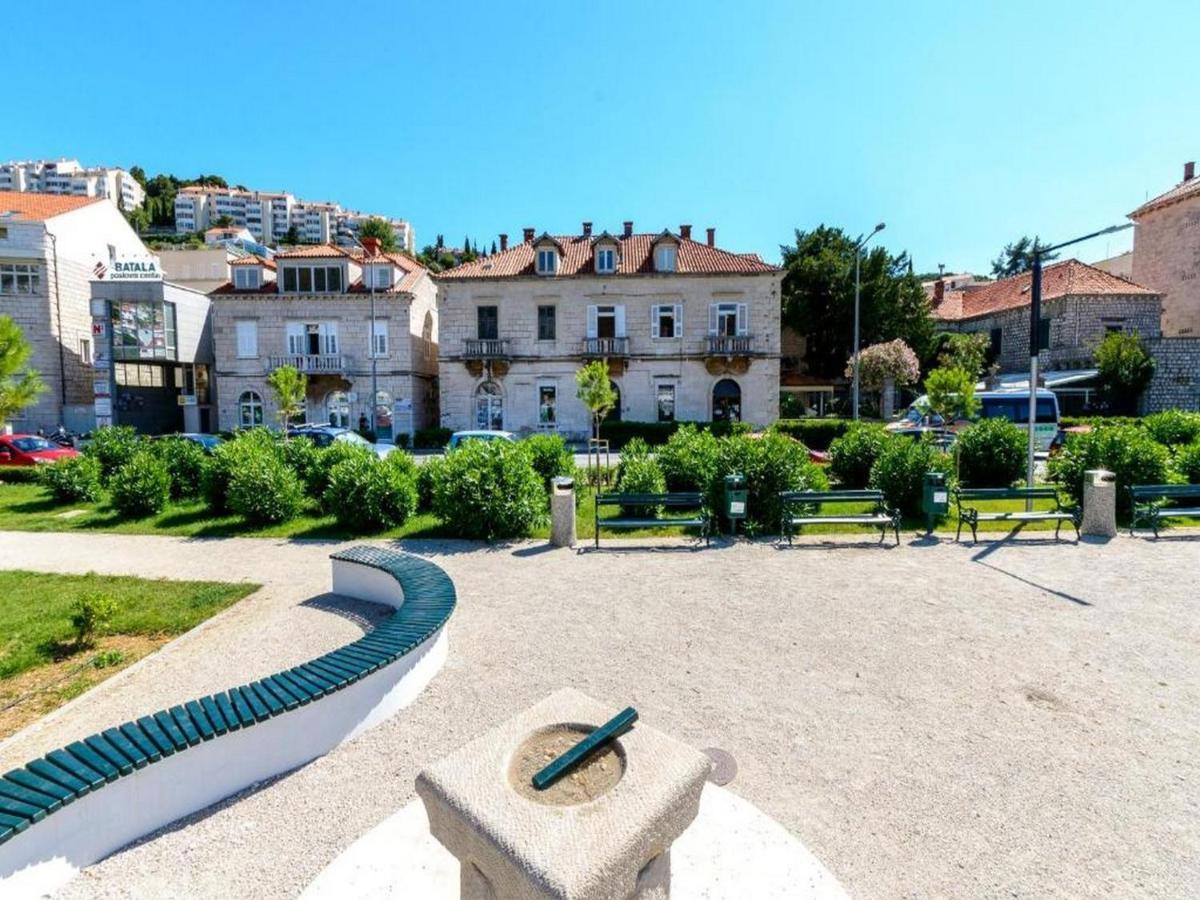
[76, 805]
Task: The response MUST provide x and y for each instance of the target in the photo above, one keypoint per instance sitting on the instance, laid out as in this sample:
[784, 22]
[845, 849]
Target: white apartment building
[690, 332]
[350, 222]
[310, 308]
[67, 176]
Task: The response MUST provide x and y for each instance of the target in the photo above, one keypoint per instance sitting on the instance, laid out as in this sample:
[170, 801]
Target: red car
[31, 450]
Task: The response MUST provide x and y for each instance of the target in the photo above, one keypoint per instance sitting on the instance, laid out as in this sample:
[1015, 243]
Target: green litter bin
[935, 500]
[736, 497]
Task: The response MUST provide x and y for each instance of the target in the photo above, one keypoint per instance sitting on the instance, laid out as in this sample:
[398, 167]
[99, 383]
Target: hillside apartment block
[67, 176]
[688, 331]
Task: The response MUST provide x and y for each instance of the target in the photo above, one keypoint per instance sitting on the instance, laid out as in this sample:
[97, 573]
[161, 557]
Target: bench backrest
[1008, 493]
[678, 499]
[863, 496]
[1170, 491]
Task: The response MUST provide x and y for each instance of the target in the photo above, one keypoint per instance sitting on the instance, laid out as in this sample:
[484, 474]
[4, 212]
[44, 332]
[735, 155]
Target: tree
[818, 299]
[379, 229]
[493, 253]
[966, 351]
[290, 387]
[951, 394]
[223, 221]
[881, 366]
[595, 392]
[1017, 257]
[19, 384]
[1125, 369]
[139, 175]
[292, 236]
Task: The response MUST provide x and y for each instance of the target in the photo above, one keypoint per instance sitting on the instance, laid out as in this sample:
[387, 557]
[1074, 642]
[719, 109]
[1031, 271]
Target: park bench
[1154, 502]
[798, 511]
[640, 511]
[972, 515]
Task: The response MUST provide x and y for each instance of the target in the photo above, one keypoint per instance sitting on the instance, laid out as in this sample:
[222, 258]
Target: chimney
[628, 229]
[685, 232]
[371, 245]
[939, 290]
[1189, 171]
[529, 235]
[587, 229]
[712, 237]
[503, 242]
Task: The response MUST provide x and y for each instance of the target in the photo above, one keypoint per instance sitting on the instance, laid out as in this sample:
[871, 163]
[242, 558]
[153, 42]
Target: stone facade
[1176, 383]
[1166, 255]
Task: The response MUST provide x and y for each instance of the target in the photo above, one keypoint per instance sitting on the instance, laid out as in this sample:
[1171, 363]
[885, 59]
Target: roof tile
[31, 207]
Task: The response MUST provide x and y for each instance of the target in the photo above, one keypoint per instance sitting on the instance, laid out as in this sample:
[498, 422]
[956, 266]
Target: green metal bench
[972, 515]
[1152, 503]
[43, 786]
[645, 517]
[802, 508]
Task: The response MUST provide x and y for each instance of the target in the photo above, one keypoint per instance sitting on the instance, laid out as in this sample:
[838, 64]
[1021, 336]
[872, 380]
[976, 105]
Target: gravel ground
[1014, 719]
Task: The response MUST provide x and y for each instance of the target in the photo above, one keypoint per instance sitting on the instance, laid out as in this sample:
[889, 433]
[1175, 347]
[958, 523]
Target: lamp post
[1035, 322]
[369, 274]
[857, 292]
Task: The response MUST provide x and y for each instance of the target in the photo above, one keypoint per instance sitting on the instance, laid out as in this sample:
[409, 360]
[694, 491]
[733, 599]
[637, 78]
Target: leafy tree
[951, 394]
[1125, 369]
[290, 387]
[595, 392]
[818, 298]
[880, 364]
[292, 236]
[379, 229]
[223, 221]
[493, 253]
[139, 175]
[966, 351]
[19, 384]
[1017, 257]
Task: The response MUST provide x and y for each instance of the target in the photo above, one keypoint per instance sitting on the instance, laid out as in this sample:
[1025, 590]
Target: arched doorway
[614, 414]
[250, 410]
[337, 407]
[489, 407]
[727, 401]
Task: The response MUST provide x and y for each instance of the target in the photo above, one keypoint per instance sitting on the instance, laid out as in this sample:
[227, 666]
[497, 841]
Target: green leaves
[19, 384]
[951, 394]
[1125, 368]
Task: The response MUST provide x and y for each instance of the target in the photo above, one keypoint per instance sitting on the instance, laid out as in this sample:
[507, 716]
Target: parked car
[1010, 405]
[31, 450]
[461, 437]
[209, 442]
[324, 435]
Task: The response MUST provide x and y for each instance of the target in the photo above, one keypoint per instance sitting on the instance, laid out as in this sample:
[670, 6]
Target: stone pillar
[562, 512]
[1099, 503]
[604, 830]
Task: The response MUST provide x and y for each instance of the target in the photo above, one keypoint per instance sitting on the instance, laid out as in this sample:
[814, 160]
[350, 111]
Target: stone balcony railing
[313, 364]
[729, 345]
[605, 346]
[486, 348]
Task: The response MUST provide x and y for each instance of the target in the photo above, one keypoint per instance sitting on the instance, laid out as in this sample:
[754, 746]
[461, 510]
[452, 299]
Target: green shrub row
[655, 434]
[816, 434]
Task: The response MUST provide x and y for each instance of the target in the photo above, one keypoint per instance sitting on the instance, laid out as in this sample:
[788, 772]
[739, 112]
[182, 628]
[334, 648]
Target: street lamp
[857, 292]
[369, 274]
[1035, 321]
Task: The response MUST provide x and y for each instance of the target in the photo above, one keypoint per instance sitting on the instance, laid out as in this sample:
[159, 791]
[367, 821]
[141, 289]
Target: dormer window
[382, 276]
[247, 278]
[547, 261]
[665, 257]
[606, 260]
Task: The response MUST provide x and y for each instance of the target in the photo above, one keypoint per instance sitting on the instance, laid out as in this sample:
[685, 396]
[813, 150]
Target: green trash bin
[935, 499]
[735, 500]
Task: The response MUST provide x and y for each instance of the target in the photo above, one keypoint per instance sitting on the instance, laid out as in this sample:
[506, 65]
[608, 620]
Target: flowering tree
[882, 366]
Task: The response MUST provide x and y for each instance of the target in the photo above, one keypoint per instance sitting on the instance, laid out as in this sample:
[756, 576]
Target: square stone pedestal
[513, 845]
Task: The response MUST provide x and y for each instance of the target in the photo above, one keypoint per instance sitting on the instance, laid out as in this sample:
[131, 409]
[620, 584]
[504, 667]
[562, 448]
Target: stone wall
[1166, 258]
[1176, 383]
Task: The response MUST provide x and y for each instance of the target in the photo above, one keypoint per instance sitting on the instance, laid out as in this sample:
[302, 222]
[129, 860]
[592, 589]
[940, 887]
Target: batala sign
[144, 268]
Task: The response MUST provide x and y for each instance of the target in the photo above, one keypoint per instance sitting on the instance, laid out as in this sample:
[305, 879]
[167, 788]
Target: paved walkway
[1014, 719]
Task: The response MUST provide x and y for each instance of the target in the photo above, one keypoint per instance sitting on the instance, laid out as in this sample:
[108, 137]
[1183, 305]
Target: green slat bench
[1152, 503]
[44, 786]
[972, 515]
[798, 510]
[648, 518]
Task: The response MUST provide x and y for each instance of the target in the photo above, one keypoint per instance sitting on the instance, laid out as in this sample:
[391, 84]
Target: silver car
[324, 435]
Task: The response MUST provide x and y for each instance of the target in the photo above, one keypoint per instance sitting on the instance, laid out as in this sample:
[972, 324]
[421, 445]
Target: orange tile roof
[253, 260]
[316, 251]
[694, 258]
[413, 271]
[1069, 278]
[30, 207]
[1181, 191]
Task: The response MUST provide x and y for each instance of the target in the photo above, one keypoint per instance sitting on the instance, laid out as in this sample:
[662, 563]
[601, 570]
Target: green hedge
[816, 434]
[431, 438]
[618, 434]
[1125, 450]
[1096, 421]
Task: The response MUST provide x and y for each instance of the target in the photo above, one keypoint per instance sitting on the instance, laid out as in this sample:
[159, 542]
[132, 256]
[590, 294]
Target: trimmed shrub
[90, 615]
[1096, 421]
[185, 461]
[1187, 463]
[1173, 427]
[690, 459]
[306, 459]
[431, 438]
[262, 489]
[74, 480]
[852, 455]
[225, 460]
[818, 434]
[655, 434]
[112, 446]
[900, 472]
[640, 474]
[992, 453]
[1126, 450]
[550, 456]
[770, 464]
[426, 474]
[366, 493]
[142, 486]
[488, 490]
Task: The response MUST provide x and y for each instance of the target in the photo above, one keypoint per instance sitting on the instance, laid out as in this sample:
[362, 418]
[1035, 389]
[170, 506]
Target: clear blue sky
[963, 125]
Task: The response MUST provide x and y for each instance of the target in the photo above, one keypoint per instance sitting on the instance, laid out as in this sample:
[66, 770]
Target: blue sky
[962, 125]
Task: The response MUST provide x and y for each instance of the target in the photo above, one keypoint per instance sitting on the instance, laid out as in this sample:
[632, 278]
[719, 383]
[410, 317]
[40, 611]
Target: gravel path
[1013, 719]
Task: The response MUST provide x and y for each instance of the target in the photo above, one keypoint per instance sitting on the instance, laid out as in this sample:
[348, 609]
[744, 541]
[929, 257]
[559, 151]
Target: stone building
[689, 331]
[310, 308]
[1166, 253]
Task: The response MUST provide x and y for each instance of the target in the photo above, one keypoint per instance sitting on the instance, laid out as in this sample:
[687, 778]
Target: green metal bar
[614, 727]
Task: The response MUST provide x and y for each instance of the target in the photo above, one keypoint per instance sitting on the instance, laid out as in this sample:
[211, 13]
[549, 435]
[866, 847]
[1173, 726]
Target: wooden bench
[972, 515]
[645, 515]
[1153, 502]
[45, 785]
[797, 505]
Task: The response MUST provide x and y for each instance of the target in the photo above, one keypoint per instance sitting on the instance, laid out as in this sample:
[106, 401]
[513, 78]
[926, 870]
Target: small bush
[550, 456]
[489, 490]
[1173, 427]
[370, 494]
[90, 615]
[112, 446]
[74, 480]
[691, 459]
[431, 438]
[426, 476]
[655, 434]
[900, 472]
[106, 659]
[228, 457]
[1126, 450]
[142, 486]
[185, 461]
[306, 459]
[818, 434]
[852, 455]
[263, 490]
[992, 453]
[1187, 463]
[640, 474]
[770, 464]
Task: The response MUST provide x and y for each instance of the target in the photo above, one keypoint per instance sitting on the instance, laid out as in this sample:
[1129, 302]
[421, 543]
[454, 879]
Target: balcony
[730, 345]
[605, 346]
[313, 364]
[489, 348]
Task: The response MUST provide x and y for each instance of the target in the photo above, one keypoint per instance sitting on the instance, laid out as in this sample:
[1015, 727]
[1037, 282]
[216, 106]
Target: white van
[1011, 405]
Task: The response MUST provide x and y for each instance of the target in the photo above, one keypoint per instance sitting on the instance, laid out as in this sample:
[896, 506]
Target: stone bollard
[1099, 503]
[562, 512]
[603, 831]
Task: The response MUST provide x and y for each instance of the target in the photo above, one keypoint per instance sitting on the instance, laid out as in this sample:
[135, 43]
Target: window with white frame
[548, 406]
[379, 342]
[547, 261]
[606, 260]
[665, 257]
[606, 321]
[19, 278]
[727, 319]
[312, 338]
[666, 320]
[247, 339]
[85, 351]
[250, 410]
[382, 276]
[247, 278]
[665, 402]
[312, 279]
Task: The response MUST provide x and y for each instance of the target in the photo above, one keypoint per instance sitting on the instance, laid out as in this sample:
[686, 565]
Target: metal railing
[305, 362]
[729, 345]
[486, 348]
[606, 346]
